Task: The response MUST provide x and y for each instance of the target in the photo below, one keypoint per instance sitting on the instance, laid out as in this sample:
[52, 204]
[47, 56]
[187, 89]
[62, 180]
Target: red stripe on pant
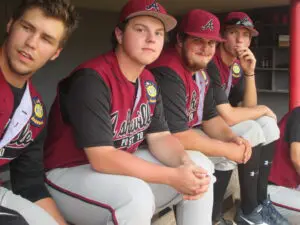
[90, 201]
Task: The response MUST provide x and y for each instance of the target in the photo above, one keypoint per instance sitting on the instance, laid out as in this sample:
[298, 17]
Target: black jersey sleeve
[173, 98]
[237, 92]
[85, 104]
[209, 109]
[27, 171]
[218, 91]
[292, 129]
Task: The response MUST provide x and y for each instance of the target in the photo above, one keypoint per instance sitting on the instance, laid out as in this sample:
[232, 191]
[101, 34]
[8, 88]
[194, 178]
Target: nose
[32, 41]
[238, 38]
[150, 37]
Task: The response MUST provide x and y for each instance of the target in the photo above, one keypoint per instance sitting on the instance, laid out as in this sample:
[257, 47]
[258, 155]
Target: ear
[9, 25]
[179, 41]
[57, 53]
[119, 35]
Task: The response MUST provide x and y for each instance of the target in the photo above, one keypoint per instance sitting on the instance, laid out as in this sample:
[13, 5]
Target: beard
[16, 70]
[192, 65]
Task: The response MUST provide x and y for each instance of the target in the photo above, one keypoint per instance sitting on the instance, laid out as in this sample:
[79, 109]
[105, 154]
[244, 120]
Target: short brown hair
[62, 10]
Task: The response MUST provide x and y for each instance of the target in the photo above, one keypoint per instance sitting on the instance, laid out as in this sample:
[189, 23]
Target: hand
[248, 149]
[236, 152]
[247, 60]
[190, 180]
[271, 114]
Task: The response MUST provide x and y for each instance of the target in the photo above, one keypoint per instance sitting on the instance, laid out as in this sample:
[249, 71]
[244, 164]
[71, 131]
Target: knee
[202, 161]
[270, 129]
[141, 201]
[253, 133]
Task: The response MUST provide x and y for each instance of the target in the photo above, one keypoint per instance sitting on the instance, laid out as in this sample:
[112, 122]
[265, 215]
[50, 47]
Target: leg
[220, 187]
[31, 212]
[269, 128]
[86, 197]
[285, 202]
[271, 133]
[199, 211]
[249, 172]
[223, 171]
[188, 212]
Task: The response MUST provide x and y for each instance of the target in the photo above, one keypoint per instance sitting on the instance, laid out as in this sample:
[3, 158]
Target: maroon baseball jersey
[195, 89]
[283, 172]
[20, 128]
[131, 110]
[235, 71]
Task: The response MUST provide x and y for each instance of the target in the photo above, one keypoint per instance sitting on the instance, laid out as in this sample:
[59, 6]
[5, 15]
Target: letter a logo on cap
[208, 26]
[154, 6]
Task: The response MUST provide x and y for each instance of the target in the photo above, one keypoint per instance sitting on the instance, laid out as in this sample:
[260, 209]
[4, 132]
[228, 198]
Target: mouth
[25, 55]
[148, 49]
[203, 55]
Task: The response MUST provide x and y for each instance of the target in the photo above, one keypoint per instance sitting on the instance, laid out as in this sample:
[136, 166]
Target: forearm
[168, 150]
[49, 206]
[250, 93]
[115, 161]
[218, 129]
[191, 140]
[236, 115]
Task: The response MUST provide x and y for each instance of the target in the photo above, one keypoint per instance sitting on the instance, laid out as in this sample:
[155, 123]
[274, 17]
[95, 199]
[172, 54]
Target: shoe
[254, 218]
[270, 211]
[222, 221]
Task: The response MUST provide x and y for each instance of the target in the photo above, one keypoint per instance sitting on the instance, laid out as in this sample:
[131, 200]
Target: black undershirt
[292, 129]
[236, 94]
[85, 102]
[174, 99]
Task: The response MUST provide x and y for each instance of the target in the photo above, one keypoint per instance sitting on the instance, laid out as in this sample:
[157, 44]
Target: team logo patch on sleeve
[151, 91]
[236, 70]
[37, 118]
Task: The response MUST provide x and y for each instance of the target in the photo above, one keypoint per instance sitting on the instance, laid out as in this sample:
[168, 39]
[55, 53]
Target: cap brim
[253, 31]
[206, 36]
[169, 21]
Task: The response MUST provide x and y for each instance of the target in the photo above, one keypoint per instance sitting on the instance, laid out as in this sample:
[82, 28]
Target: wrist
[249, 74]
[171, 176]
[185, 159]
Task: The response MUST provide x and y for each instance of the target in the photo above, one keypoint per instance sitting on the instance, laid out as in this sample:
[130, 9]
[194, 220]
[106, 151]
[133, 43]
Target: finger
[197, 169]
[204, 181]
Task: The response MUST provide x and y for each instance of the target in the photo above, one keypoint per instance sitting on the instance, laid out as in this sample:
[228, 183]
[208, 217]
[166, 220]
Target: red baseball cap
[240, 19]
[203, 24]
[147, 8]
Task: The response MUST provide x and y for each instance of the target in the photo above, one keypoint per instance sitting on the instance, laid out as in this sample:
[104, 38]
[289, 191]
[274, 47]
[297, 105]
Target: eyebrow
[48, 36]
[139, 24]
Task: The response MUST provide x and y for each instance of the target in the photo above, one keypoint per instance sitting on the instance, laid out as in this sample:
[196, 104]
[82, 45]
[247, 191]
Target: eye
[140, 29]
[26, 28]
[212, 43]
[159, 33]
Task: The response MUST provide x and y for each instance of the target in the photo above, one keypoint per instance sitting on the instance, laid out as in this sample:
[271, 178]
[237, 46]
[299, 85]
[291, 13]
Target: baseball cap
[240, 19]
[147, 8]
[203, 24]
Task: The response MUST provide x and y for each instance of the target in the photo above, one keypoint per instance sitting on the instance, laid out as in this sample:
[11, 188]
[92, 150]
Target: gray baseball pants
[87, 197]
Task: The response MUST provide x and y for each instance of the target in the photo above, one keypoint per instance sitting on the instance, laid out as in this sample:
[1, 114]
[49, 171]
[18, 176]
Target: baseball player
[36, 34]
[284, 176]
[232, 72]
[188, 100]
[103, 112]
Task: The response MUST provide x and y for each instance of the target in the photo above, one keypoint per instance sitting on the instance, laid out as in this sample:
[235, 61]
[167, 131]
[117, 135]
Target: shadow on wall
[90, 39]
